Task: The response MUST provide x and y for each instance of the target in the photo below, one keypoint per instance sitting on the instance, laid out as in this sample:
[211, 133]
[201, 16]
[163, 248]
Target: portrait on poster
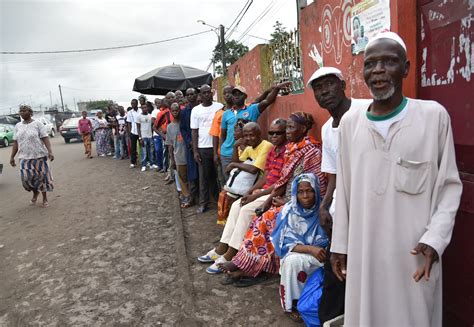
[369, 17]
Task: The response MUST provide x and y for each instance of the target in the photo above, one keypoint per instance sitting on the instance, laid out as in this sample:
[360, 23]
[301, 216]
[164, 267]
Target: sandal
[250, 281]
[228, 280]
[295, 316]
[185, 205]
[45, 204]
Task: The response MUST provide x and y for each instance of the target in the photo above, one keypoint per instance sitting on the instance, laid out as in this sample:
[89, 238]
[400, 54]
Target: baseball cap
[240, 88]
[324, 71]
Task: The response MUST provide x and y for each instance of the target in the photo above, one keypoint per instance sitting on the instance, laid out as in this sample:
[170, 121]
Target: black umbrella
[173, 77]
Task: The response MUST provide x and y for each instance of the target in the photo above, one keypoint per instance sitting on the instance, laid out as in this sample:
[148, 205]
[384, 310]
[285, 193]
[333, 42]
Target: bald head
[252, 134]
[206, 95]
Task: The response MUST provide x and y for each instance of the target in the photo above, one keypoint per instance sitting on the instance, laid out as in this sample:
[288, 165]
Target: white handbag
[240, 182]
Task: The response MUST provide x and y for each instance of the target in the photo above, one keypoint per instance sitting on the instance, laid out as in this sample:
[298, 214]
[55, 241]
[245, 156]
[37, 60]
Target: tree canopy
[233, 51]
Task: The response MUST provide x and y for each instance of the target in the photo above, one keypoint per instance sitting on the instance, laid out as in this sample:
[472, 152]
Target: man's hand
[51, 156]
[278, 201]
[216, 159]
[338, 265]
[229, 168]
[239, 142]
[173, 165]
[197, 156]
[12, 162]
[325, 220]
[141, 142]
[247, 198]
[318, 253]
[431, 256]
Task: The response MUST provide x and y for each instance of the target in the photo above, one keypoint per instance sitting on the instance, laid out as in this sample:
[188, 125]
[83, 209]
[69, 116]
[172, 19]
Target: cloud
[62, 25]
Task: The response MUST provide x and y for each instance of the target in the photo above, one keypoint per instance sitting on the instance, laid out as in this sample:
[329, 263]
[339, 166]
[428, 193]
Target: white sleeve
[42, 131]
[446, 192]
[340, 229]
[329, 156]
[194, 120]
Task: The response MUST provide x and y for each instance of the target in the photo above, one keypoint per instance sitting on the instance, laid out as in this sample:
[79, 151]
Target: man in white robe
[398, 190]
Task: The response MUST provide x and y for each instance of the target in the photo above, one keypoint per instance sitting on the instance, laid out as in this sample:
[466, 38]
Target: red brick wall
[333, 17]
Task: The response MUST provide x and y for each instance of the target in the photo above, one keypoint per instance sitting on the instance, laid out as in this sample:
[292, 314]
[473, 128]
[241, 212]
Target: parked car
[49, 126]
[6, 135]
[69, 130]
[7, 120]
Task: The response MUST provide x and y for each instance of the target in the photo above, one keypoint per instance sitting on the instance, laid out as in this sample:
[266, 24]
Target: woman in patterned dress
[256, 255]
[31, 142]
[102, 136]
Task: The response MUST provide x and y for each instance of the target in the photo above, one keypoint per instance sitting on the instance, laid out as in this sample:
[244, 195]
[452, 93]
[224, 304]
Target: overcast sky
[66, 25]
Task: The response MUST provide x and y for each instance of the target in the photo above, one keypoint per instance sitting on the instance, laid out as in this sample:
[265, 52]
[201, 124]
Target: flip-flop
[45, 204]
[228, 280]
[33, 202]
[250, 281]
[295, 316]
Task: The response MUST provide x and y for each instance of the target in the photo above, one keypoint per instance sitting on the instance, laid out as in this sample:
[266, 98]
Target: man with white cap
[329, 91]
[398, 190]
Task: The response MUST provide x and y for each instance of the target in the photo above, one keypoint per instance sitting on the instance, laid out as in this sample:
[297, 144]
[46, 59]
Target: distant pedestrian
[122, 134]
[201, 121]
[85, 128]
[132, 117]
[175, 141]
[157, 144]
[31, 142]
[163, 119]
[145, 136]
[102, 136]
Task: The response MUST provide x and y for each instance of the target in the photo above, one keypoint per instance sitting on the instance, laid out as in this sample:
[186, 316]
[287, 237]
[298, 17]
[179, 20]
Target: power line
[108, 48]
[258, 19]
[245, 9]
[240, 12]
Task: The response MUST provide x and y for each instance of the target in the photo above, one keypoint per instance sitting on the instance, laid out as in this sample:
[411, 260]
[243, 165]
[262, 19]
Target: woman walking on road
[102, 137]
[31, 142]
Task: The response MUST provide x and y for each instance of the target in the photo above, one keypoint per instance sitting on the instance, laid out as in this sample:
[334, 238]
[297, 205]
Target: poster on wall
[369, 17]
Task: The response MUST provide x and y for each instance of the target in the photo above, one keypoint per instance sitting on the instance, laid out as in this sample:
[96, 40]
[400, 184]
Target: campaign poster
[369, 17]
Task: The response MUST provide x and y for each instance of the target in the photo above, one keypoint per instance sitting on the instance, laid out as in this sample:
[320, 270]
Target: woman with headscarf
[31, 142]
[102, 136]
[299, 240]
[257, 254]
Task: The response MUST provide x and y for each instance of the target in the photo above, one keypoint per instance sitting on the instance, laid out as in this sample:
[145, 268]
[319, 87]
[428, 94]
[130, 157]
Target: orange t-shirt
[216, 124]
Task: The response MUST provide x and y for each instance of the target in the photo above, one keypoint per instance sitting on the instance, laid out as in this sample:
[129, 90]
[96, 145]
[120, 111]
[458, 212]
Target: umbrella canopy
[168, 78]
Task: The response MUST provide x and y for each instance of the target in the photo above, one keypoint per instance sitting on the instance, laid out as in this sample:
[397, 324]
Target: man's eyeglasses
[275, 133]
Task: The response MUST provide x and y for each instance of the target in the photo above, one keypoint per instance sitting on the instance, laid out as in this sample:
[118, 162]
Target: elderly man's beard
[380, 95]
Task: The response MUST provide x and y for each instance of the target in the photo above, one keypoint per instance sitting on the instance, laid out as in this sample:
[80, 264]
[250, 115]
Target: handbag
[240, 182]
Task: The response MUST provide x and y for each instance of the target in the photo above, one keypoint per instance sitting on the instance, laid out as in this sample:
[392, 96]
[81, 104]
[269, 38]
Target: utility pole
[222, 34]
[61, 94]
[75, 106]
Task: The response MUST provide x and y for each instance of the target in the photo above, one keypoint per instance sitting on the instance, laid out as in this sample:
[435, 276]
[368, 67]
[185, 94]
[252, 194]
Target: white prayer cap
[324, 71]
[387, 35]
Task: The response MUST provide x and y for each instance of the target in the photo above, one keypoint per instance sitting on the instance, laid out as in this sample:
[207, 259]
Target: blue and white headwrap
[297, 225]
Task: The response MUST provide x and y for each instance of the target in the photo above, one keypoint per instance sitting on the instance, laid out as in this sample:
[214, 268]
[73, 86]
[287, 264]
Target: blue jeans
[158, 143]
[120, 146]
[146, 149]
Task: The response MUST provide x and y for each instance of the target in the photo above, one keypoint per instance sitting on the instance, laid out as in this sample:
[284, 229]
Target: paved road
[113, 250]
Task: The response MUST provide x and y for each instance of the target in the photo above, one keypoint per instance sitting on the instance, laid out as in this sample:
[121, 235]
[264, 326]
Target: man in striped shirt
[243, 210]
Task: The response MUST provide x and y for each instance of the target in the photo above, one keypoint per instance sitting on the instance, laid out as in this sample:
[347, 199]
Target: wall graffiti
[336, 28]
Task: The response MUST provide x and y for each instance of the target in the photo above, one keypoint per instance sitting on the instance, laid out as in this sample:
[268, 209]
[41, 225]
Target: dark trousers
[207, 176]
[133, 148]
[166, 157]
[332, 299]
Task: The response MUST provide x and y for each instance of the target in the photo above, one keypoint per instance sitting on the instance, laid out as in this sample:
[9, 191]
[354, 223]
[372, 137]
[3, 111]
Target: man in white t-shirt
[201, 122]
[132, 117]
[145, 136]
[328, 86]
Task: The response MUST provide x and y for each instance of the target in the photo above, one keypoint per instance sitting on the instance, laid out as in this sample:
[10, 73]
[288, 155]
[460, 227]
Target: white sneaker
[214, 268]
[209, 257]
[132, 166]
[143, 168]
[154, 166]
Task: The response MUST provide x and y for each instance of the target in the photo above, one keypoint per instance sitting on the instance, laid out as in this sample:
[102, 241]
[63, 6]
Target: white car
[49, 126]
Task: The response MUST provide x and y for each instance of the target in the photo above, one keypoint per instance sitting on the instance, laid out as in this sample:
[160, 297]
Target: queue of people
[390, 158]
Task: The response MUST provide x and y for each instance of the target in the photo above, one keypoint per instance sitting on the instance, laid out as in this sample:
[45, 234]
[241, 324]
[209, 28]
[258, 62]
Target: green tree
[279, 33]
[98, 104]
[233, 51]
